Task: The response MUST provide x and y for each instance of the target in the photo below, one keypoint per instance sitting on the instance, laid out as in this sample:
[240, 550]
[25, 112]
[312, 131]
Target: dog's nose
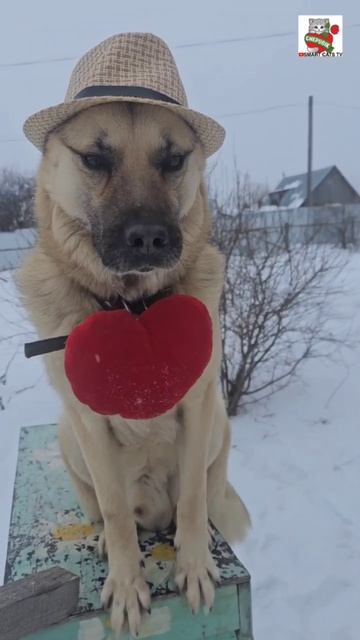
[147, 239]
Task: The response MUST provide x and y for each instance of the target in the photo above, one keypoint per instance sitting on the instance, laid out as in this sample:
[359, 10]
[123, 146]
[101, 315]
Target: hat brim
[38, 126]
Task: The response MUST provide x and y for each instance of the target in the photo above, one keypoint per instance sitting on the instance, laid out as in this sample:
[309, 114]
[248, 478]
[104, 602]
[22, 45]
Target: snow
[292, 185]
[268, 207]
[295, 202]
[18, 239]
[13, 246]
[295, 460]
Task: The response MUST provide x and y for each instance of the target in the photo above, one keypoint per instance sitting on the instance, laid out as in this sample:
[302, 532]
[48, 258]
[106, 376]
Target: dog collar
[136, 307]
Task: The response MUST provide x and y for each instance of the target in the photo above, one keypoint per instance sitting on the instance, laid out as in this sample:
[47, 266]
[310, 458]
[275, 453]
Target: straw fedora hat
[128, 67]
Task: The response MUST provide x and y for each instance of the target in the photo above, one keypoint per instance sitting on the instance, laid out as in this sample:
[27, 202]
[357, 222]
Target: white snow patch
[14, 245]
[268, 207]
[295, 202]
[293, 185]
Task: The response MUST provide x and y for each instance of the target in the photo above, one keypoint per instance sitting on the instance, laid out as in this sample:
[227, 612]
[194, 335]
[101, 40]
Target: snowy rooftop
[295, 187]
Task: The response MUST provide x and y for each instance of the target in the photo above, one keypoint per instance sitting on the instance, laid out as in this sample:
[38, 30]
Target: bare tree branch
[274, 309]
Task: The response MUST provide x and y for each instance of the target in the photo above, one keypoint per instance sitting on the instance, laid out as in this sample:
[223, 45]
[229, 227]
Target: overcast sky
[220, 79]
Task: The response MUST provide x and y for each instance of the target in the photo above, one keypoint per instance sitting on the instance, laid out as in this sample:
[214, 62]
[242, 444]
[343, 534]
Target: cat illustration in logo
[320, 28]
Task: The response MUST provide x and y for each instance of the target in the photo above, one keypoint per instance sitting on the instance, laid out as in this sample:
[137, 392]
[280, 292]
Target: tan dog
[113, 178]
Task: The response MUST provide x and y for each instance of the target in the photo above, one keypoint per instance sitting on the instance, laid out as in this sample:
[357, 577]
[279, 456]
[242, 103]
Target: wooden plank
[37, 601]
[170, 619]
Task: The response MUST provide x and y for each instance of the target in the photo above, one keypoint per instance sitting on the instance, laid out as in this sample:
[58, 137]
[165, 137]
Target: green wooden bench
[49, 530]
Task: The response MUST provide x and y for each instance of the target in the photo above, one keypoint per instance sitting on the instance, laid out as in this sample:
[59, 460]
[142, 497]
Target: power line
[286, 106]
[260, 110]
[224, 115]
[25, 63]
[247, 112]
[207, 43]
[338, 106]
[186, 45]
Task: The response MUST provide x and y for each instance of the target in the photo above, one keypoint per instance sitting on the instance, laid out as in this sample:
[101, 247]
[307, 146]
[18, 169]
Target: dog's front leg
[195, 568]
[125, 586]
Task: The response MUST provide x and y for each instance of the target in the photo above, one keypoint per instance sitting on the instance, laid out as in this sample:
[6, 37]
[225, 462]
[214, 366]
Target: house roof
[295, 187]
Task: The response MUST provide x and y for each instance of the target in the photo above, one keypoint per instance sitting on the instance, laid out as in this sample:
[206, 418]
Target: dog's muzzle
[140, 243]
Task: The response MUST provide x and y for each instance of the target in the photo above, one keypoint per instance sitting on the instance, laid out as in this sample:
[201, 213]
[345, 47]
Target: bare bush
[16, 200]
[274, 310]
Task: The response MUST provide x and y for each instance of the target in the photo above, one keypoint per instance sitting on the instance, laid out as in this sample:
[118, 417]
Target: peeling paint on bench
[48, 529]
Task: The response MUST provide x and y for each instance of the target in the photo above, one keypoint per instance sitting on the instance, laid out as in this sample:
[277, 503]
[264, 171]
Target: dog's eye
[174, 162]
[95, 162]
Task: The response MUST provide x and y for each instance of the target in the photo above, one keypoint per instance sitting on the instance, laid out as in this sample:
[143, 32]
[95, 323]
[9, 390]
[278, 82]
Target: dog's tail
[230, 516]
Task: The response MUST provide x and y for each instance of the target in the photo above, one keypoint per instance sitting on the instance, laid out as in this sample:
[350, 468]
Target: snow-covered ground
[13, 247]
[295, 460]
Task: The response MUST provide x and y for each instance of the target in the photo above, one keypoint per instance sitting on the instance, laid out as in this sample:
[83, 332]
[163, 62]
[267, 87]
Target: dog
[115, 178]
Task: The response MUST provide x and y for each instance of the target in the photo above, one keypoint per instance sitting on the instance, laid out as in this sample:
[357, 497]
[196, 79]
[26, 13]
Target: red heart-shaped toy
[139, 366]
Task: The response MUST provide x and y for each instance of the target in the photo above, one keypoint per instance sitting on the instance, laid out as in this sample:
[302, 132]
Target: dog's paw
[128, 596]
[196, 573]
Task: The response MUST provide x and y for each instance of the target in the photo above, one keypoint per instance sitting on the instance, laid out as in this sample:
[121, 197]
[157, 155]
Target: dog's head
[129, 173]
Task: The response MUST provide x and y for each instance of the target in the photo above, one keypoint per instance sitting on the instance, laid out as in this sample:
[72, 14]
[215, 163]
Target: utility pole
[310, 148]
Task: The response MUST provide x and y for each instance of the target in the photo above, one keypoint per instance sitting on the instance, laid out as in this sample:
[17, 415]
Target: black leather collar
[136, 307]
[39, 347]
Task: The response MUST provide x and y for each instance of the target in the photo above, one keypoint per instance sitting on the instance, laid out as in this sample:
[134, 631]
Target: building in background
[329, 186]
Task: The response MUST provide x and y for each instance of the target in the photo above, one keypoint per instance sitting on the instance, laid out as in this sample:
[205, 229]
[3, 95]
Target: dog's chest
[137, 432]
